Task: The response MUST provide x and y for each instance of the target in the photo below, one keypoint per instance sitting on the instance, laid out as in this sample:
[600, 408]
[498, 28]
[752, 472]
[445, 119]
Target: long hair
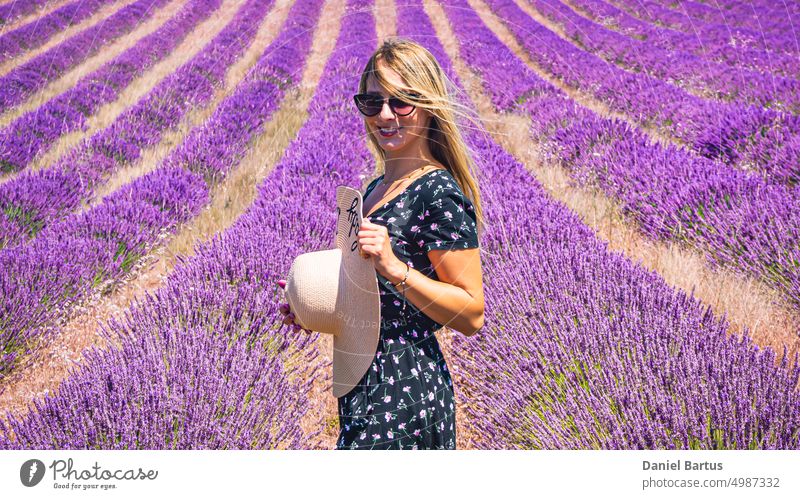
[427, 87]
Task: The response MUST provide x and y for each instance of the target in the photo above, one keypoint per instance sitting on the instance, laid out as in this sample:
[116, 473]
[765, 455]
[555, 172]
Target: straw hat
[336, 292]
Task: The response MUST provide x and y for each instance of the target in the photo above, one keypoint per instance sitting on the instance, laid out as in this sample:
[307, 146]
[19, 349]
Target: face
[396, 134]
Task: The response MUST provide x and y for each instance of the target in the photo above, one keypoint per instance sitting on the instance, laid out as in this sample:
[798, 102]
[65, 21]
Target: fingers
[373, 240]
[365, 251]
[367, 226]
[289, 317]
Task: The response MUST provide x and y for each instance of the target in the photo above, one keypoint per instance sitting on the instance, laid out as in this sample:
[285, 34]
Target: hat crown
[314, 290]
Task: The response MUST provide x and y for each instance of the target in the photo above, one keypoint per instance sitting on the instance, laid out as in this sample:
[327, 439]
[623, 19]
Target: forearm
[445, 303]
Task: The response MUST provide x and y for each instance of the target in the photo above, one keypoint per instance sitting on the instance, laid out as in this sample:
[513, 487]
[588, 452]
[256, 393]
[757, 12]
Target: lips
[388, 131]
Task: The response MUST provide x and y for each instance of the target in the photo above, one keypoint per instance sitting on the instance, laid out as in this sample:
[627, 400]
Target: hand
[374, 242]
[288, 318]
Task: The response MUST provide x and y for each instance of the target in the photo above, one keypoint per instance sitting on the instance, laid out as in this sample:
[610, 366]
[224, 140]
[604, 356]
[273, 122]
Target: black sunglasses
[371, 104]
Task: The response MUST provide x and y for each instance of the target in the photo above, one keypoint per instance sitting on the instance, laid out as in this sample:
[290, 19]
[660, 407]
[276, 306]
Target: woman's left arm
[456, 299]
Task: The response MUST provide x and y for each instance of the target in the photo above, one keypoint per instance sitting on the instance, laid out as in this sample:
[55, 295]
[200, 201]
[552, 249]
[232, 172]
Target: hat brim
[358, 300]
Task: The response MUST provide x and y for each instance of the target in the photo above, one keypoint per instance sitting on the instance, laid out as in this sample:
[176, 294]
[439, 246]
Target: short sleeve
[447, 219]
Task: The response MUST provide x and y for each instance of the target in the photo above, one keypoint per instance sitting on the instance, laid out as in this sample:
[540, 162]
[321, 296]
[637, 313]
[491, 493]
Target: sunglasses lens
[400, 107]
[369, 105]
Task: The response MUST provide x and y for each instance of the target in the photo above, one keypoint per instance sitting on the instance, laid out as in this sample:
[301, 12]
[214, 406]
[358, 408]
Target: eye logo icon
[31, 472]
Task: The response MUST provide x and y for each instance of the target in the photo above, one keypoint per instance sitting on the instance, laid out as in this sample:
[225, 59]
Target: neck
[400, 164]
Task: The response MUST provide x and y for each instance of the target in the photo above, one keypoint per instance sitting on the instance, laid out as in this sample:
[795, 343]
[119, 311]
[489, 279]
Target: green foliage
[24, 218]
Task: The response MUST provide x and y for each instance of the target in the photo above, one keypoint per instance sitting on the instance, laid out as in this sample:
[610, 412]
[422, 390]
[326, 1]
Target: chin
[392, 147]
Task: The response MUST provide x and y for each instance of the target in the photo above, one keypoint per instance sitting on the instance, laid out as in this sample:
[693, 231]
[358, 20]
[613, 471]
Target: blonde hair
[427, 87]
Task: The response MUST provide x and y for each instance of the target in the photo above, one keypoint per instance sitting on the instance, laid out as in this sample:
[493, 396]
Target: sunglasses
[372, 104]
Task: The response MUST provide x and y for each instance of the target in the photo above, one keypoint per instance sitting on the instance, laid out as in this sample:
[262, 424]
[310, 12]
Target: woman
[421, 233]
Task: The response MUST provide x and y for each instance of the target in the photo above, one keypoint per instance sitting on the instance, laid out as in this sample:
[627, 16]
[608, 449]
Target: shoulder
[437, 184]
[447, 220]
[441, 190]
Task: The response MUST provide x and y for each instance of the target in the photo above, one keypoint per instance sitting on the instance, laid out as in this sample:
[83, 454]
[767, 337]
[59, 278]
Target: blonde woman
[421, 232]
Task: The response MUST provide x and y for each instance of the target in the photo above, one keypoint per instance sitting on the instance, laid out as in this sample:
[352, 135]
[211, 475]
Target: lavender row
[582, 348]
[678, 67]
[748, 137]
[14, 9]
[40, 282]
[32, 201]
[228, 287]
[717, 49]
[762, 27]
[28, 78]
[36, 131]
[719, 52]
[760, 16]
[736, 218]
[36, 33]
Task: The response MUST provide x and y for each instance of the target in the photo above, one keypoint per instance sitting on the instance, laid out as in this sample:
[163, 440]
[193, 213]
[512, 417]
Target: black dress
[405, 399]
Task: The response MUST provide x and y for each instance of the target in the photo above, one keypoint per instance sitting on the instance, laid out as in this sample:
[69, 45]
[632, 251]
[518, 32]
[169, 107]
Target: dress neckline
[391, 201]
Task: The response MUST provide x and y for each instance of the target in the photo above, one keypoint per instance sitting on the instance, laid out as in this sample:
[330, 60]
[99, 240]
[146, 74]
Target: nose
[386, 111]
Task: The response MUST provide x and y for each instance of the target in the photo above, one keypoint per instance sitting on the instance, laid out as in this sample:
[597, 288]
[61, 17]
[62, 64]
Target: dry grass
[385, 19]
[746, 302]
[109, 52]
[59, 37]
[139, 87]
[43, 11]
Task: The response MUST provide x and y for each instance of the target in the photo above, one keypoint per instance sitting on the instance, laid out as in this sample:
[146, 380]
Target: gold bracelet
[403, 282]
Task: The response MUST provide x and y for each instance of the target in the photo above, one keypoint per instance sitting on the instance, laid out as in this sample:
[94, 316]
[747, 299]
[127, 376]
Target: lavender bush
[582, 348]
[227, 288]
[36, 33]
[171, 389]
[715, 46]
[677, 66]
[32, 201]
[36, 131]
[40, 282]
[748, 137]
[761, 25]
[28, 78]
[736, 218]
[12, 10]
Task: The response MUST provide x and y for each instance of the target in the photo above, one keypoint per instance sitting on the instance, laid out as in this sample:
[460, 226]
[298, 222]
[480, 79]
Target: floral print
[405, 399]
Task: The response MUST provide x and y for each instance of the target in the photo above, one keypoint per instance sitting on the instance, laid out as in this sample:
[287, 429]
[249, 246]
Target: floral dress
[405, 399]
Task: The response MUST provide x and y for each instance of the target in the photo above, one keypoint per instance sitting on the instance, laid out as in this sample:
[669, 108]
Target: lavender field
[162, 162]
